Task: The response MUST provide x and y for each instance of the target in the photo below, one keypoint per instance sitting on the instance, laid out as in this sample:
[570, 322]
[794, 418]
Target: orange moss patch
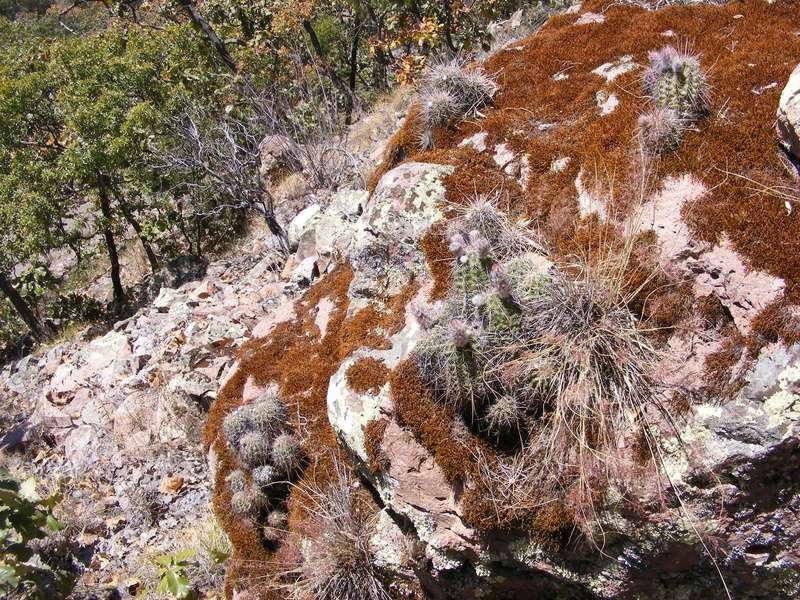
[439, 259]
[372, 326]
[373, 440]
[552, 526]
[301, 365]
[367, 374]
[432, 423]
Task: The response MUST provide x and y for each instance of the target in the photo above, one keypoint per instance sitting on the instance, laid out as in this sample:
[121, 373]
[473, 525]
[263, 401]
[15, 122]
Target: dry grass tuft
[336, 560]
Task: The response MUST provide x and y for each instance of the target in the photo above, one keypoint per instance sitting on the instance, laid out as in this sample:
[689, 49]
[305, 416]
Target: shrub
[173, 574]
[337, 557]
[24, 518]
[451, 90]
[675, 80]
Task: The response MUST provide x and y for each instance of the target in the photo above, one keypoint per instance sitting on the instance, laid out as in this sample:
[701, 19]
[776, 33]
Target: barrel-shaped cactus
[675, 80]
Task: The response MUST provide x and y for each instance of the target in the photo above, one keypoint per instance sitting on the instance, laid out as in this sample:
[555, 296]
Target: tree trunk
[332, 74]
[354, 56]
[22, 308]
[111, 246]
[126, 212]
[199, 22]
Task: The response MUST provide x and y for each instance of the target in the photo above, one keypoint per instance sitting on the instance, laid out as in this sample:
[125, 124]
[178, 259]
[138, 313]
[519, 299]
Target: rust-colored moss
[301, 365]
[372, 326]
[712, 311]
[432, 423]
[439, 259]
[367, 375]
[362, 329]
[373, 438]
[552, 525]
[721, 379]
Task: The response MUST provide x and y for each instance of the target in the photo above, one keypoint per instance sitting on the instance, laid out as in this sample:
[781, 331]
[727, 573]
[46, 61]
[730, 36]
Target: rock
[788, 124]
[165, 299]
[171, 485]
[348, 203]
[744, 292]
[589, 18]
[589, 201]
[284, 312]
[611, 70]
[385, 250]
[78, 446]
[278, 153]
[305, 272]
[192, 383]
[300, 223]
[606, 102]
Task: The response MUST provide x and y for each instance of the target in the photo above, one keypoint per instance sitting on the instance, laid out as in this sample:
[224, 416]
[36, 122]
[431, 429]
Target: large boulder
[788, 124]
[385, 251]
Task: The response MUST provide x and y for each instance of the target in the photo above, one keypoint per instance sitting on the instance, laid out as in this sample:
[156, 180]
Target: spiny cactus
[235, 425]
[675, 80]
[436, 110]
[504, 415]
[268, 415]
[265, 475]
[254, 449]
[482, 214]
[471, 87]
[661, 130]
[276, 525]
[236, 481]
[451, 91]
[472, 269]
[249, 502]
[525, 276]
[286, 453]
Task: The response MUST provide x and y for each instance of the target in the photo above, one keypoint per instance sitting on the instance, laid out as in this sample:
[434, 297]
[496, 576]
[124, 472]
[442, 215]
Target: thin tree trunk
[354, 55]
[134, 223]
[200, 23]
[22, 308]
[111, 246]
[332, 74]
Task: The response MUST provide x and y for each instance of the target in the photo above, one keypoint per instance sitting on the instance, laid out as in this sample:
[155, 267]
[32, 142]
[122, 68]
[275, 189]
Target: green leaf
[52, 523]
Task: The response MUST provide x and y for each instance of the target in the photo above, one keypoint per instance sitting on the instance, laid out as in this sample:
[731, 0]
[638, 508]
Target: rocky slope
[710, 231]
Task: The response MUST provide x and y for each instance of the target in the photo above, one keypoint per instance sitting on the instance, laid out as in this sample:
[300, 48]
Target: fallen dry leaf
[171, 485]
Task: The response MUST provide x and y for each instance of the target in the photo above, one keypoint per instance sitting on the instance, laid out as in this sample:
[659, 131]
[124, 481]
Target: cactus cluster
[516, 339]
[450, 90]
[483, 314]
[676, 84]
[260, 436]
